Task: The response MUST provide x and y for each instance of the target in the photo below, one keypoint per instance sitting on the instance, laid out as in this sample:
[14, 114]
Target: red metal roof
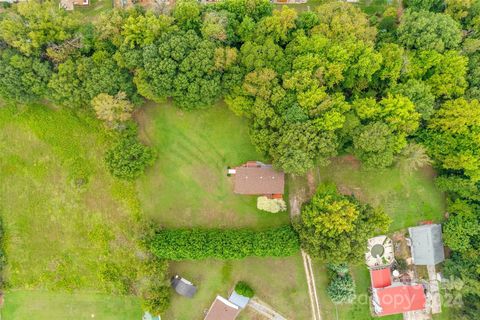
[400, 299]
[381, 278]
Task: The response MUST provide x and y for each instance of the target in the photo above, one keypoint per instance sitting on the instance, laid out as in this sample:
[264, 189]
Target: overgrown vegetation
[195, 244]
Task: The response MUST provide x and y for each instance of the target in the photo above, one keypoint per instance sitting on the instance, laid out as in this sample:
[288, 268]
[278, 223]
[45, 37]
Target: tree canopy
[333, 226]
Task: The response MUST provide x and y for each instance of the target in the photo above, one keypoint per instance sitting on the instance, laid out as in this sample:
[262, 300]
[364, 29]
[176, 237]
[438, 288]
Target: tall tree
[453, 137]
[425, 30]
[332, 226]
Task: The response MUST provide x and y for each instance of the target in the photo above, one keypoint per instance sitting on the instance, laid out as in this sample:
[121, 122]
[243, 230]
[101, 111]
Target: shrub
[340, 269]
[271, 205]
[244, 289]
[195, 244]
[129, 158]
[157, 299]
[341, 289]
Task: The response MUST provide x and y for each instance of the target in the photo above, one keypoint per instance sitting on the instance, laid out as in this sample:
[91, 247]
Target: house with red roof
[398, 298]
[388, 296]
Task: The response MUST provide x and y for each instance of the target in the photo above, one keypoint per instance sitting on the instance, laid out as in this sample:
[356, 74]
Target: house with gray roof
[183, 287]
[427, 244]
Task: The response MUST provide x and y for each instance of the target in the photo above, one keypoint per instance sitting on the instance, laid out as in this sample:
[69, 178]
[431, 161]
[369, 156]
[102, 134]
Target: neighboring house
[394, 297]
[222, 309]
[398, 298]
[389, 295]
[70, 4]
[183, 287]
[257, 178]
[427, 244]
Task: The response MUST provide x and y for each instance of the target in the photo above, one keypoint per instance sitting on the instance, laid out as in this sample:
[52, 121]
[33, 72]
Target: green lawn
[279, 282]
[94, 9]
[41, 305]
[188, 185]
[407, 198]
[68, 224]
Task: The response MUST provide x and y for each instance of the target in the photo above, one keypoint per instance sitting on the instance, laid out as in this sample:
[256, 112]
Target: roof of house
[260, 180]
[427, 244]
[381, 278]
[222, 309]
[183, 287]
[238, 299]
[398, 299]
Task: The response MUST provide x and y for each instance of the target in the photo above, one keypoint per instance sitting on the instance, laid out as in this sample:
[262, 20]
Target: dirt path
[264, 309]
[297, 197]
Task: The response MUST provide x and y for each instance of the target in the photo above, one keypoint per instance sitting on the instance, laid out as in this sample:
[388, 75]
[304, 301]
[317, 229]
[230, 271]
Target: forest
[403, 87]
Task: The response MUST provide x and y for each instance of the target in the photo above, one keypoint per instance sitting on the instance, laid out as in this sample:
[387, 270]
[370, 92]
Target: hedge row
[195, 244]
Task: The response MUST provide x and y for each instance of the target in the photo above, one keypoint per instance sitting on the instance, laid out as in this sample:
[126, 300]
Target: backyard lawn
[188, 185]
[407, 198]
[279, 282]
[42, 305]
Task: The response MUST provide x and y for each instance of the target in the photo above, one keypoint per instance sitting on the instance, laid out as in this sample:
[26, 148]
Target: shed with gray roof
[427, 244]
[183, 287]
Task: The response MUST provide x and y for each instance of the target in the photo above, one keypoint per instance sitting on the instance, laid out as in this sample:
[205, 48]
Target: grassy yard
[68, 224]
[407, 198]
[279, 282]
[188, 185]
[93, 10]
[41, 305]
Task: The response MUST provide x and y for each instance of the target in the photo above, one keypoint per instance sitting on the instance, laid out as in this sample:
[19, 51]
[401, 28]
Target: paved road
[264, 309]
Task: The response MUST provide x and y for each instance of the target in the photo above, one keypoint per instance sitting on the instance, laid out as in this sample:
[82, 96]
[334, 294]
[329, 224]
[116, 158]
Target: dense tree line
[393, 88]
[195, 244]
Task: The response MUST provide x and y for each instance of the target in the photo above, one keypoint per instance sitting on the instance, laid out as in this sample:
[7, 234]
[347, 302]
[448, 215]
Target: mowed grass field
[44, 305]
[188, 187]
[407, 198]
[67, 223]
[280, 282]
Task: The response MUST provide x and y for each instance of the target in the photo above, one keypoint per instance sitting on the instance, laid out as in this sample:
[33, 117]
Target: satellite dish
[396, 273]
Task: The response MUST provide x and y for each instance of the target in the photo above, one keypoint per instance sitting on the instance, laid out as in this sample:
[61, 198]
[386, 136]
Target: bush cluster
[195, 244]
[341, 288]
[244, 289]
[128, 158]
